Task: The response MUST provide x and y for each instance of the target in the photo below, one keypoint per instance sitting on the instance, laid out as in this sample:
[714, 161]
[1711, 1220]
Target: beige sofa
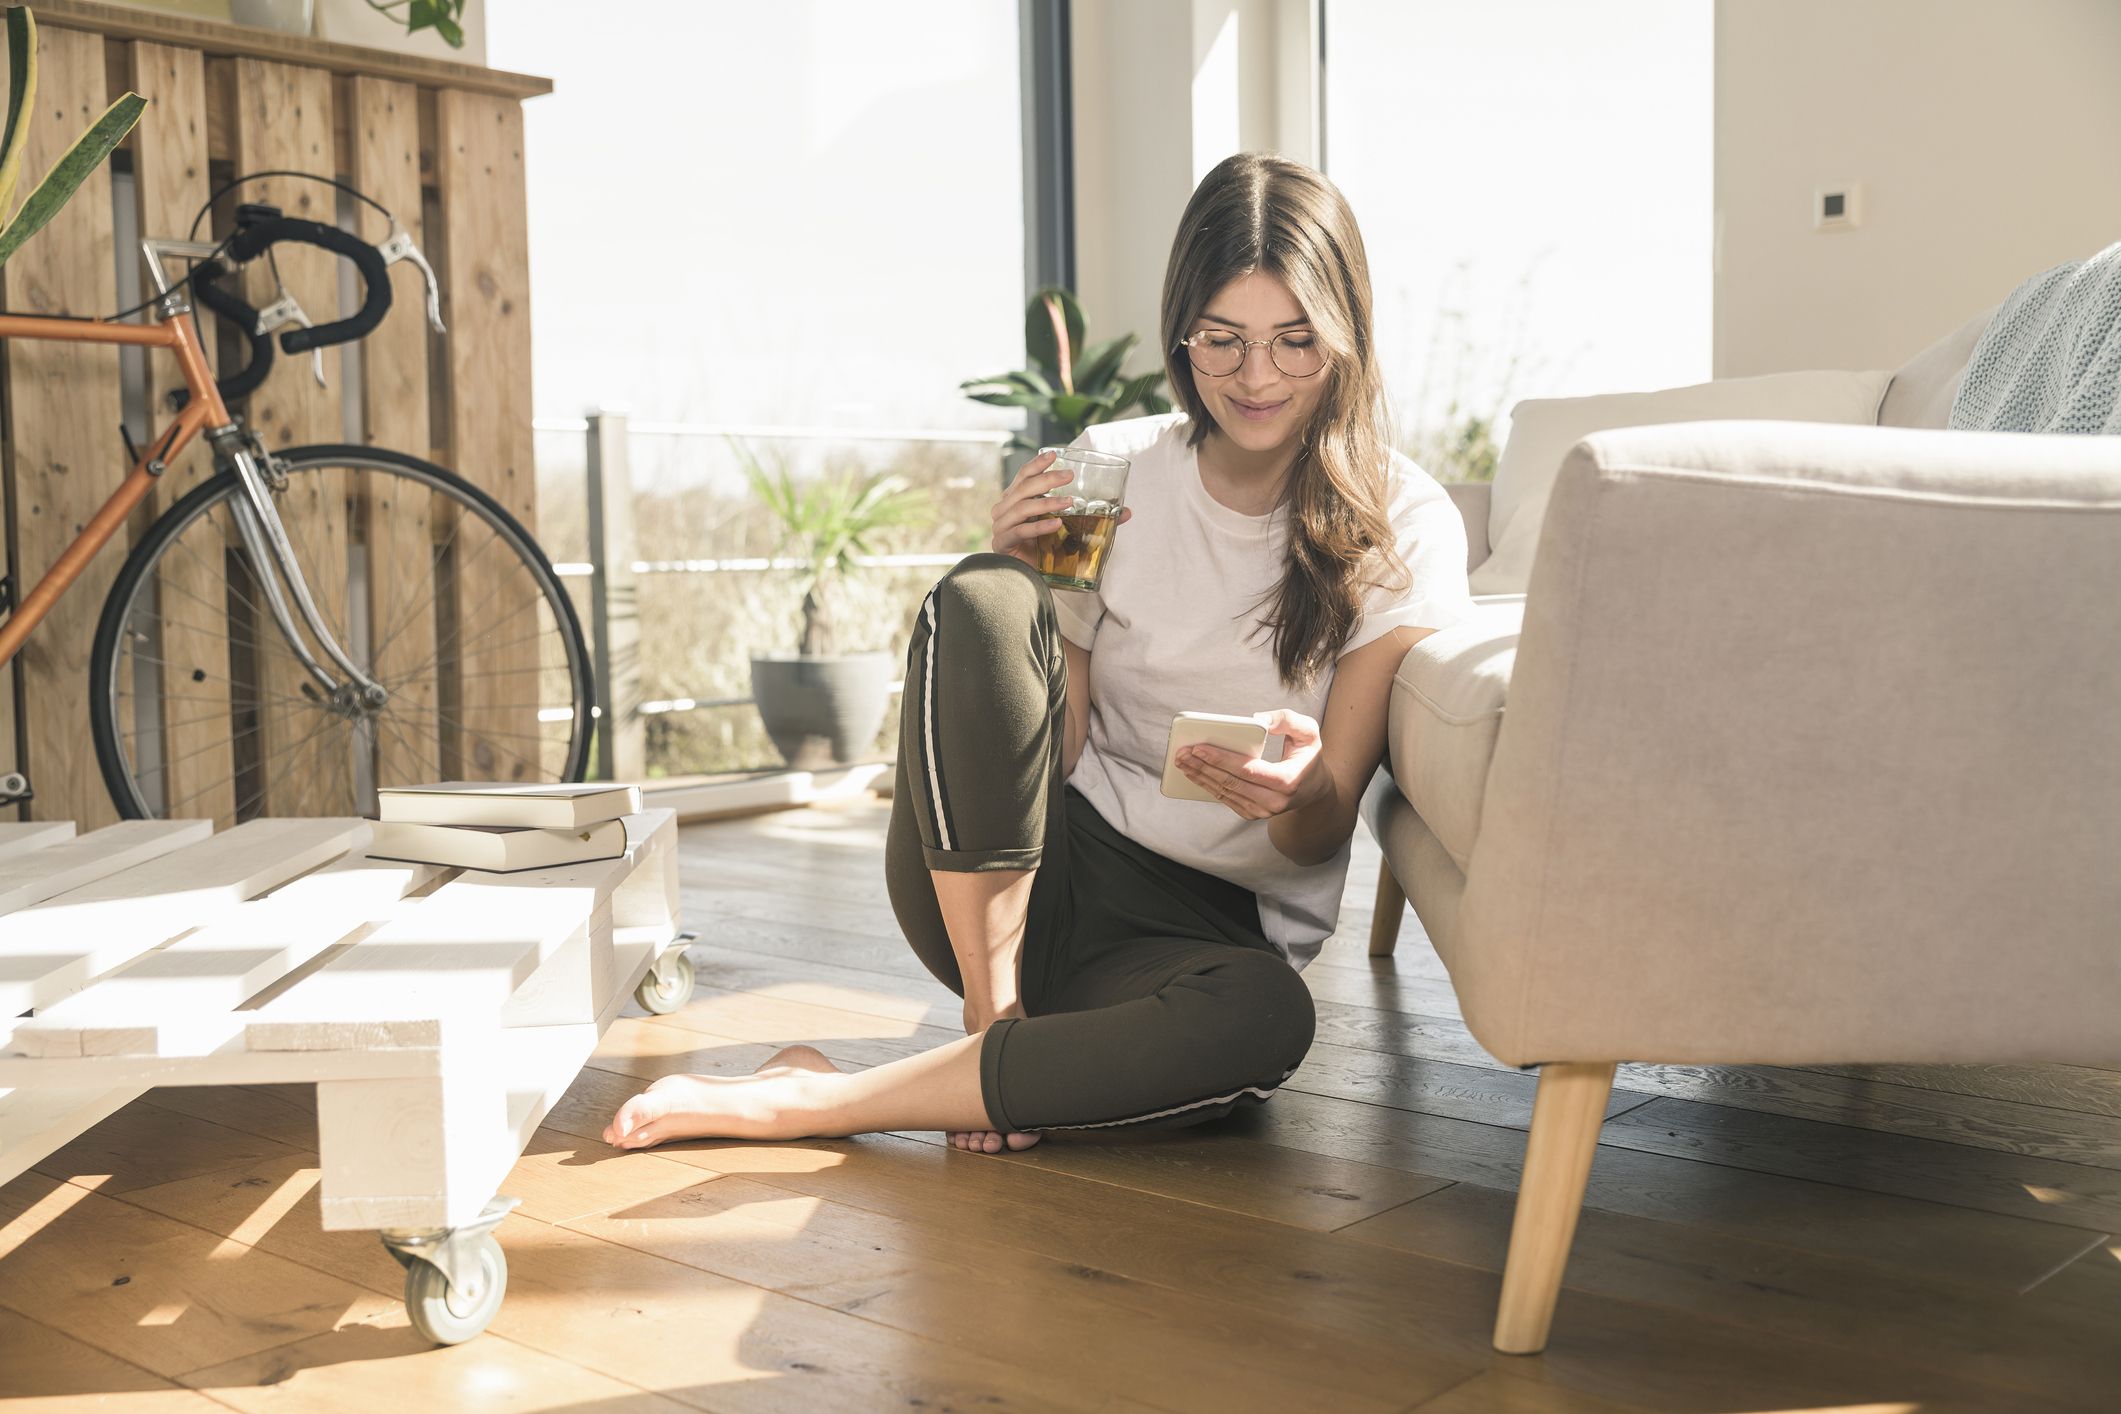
[1811, 753]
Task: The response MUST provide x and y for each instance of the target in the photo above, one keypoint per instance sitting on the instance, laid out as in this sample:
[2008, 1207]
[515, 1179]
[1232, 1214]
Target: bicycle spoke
[203, 668]
[260, 792]
[479, 735]
[484, 649]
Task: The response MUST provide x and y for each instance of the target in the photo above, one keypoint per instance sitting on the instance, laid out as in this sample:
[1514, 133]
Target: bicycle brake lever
[284, 311]
[398, 246]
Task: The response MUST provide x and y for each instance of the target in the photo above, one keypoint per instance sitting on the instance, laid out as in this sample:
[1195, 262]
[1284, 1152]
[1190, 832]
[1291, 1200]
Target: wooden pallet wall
[439, 144]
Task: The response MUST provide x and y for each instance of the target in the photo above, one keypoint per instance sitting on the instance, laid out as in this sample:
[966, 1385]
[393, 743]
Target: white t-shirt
[1175, 628]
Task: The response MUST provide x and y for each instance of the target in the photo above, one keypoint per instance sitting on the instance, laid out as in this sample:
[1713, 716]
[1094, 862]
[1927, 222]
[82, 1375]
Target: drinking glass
[1074, 556]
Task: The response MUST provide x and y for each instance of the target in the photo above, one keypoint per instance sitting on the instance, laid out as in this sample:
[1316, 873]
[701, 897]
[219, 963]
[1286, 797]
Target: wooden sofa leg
[1384, 919]
[1566, 1115]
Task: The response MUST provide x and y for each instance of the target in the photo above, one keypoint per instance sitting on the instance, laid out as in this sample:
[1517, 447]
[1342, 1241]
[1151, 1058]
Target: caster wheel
[446, 1315]
[667, 998]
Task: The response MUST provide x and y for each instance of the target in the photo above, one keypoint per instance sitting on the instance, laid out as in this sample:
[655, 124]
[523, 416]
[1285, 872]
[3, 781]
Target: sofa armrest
[1813, 753]
[1473, 499]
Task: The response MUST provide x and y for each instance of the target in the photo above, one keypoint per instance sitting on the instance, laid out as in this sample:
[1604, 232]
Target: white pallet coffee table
[440, 1012]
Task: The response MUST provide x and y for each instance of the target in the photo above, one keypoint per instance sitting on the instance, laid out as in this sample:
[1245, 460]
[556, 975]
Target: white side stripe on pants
[935, 780]
[1257, 1092]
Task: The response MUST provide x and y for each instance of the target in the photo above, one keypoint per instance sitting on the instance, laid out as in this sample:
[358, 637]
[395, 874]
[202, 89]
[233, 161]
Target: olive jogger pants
[1151, 996]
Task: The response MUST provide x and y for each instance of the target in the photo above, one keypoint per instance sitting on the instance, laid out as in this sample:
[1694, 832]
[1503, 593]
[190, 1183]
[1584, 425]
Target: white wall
[1986, 137]
[1164, 90]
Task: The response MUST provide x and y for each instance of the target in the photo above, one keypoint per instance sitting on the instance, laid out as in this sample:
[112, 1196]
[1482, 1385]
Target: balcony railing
[613, 565]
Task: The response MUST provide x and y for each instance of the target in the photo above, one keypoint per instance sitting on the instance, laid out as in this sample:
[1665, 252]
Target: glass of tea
[1074, 556]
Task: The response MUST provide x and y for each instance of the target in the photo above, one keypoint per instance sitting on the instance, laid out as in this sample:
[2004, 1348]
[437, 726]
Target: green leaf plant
[67, 175]
[828, 521]
[1069, 386]
[444, 17]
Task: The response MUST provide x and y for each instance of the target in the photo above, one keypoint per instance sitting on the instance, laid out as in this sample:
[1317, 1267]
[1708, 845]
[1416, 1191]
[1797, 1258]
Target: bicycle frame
[256, 518]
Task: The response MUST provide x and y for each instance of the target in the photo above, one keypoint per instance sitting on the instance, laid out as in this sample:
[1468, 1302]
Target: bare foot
[756, 1106]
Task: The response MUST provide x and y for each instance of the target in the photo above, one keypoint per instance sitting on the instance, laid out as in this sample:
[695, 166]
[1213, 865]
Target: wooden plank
[1958, 1243]
[998, 1224]
[217, 37]
[453, 958]
[35, 1123]
[60, 945]
[397, 522]
[96, 855]
[185, 1304]
[2048, 1190]
[1983, 1333]
[156, 1004]
[21, 838]
[191, 590]
[303, 751]
[59, 1366]
[500, 633]
[64, 406]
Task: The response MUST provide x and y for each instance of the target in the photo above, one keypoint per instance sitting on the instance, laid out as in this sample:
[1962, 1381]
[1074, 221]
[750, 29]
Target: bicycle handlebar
[252, 240]
[240, 315]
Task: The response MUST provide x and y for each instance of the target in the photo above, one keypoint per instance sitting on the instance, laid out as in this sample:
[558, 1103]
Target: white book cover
[552, 806]
[500, 849]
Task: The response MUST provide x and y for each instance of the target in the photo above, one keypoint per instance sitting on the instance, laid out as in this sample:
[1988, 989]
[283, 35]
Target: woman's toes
[1021, 1141]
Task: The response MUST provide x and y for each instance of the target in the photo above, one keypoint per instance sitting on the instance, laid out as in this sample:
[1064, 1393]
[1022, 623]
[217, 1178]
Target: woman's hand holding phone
[1029, 509]
[1256, 789]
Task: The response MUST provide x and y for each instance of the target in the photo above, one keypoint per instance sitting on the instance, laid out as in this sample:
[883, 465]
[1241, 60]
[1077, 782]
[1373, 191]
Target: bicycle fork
[265, 538]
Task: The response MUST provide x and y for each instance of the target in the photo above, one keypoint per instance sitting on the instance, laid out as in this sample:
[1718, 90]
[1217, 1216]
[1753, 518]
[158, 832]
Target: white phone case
[1243, 734]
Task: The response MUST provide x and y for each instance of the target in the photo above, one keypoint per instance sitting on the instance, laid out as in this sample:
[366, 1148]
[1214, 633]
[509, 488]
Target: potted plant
[1069, 386]
[821, 707]
[67, 175]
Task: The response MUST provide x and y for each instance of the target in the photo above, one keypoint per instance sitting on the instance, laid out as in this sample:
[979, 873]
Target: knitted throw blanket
[2050, 361]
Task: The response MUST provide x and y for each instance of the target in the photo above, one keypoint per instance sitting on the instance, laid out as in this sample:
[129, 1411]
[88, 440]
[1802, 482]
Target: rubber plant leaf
[1052, 310]
[21, 91]
[1100, 363]
[72, 170]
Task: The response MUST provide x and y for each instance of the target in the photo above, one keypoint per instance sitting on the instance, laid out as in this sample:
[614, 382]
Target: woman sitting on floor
[1127, 959]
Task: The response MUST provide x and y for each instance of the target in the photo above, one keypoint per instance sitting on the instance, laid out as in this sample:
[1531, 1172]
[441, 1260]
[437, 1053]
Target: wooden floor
[1755, 1240]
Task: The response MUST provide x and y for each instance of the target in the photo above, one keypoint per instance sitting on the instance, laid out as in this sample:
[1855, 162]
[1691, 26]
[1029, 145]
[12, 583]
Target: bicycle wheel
[201, 708]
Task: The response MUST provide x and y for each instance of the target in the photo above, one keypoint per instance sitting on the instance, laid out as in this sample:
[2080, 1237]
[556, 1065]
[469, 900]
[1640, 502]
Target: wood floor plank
[2045, 1190]
[144, 1144]
[1981, 1333]
[2003, 1125]
[935, 1199]
[155, 1292]
[1956, 1243]
[382, 1362]
[1177, 1349]
[726, 1345]
[2075, 1088]
[1499, 1392]
[46, 1371]
[711, 1344]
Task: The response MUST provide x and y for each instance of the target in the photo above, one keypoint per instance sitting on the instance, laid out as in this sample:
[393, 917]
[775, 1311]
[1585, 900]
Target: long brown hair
[1257, 212]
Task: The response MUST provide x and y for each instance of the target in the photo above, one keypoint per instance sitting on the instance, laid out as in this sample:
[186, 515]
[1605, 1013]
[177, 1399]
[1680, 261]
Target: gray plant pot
[823, 711]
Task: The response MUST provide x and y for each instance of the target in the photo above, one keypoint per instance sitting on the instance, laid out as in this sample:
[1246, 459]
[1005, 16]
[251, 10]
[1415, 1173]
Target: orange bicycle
[310, 623]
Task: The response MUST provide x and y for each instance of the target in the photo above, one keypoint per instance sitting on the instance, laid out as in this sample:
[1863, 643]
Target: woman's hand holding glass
[1029, 509]
[1259, 790]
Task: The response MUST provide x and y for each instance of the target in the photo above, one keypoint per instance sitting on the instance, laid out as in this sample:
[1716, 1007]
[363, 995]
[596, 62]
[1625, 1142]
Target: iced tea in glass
[1074, 556]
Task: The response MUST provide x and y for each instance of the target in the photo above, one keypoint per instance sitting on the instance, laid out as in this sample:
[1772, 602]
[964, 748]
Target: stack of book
[502, 828]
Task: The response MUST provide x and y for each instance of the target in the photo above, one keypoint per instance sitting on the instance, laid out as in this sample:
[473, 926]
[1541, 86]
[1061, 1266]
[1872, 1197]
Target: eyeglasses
[1220, 353]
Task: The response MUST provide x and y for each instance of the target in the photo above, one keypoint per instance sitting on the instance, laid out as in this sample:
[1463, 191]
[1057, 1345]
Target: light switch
[1837, 208]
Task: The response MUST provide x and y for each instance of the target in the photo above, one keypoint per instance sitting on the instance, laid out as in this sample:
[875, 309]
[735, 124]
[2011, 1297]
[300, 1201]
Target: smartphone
[1247, 735]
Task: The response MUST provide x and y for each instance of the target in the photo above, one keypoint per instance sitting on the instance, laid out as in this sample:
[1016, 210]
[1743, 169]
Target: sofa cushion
[1922, 389]
[1543, 429]
[1446, 711]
